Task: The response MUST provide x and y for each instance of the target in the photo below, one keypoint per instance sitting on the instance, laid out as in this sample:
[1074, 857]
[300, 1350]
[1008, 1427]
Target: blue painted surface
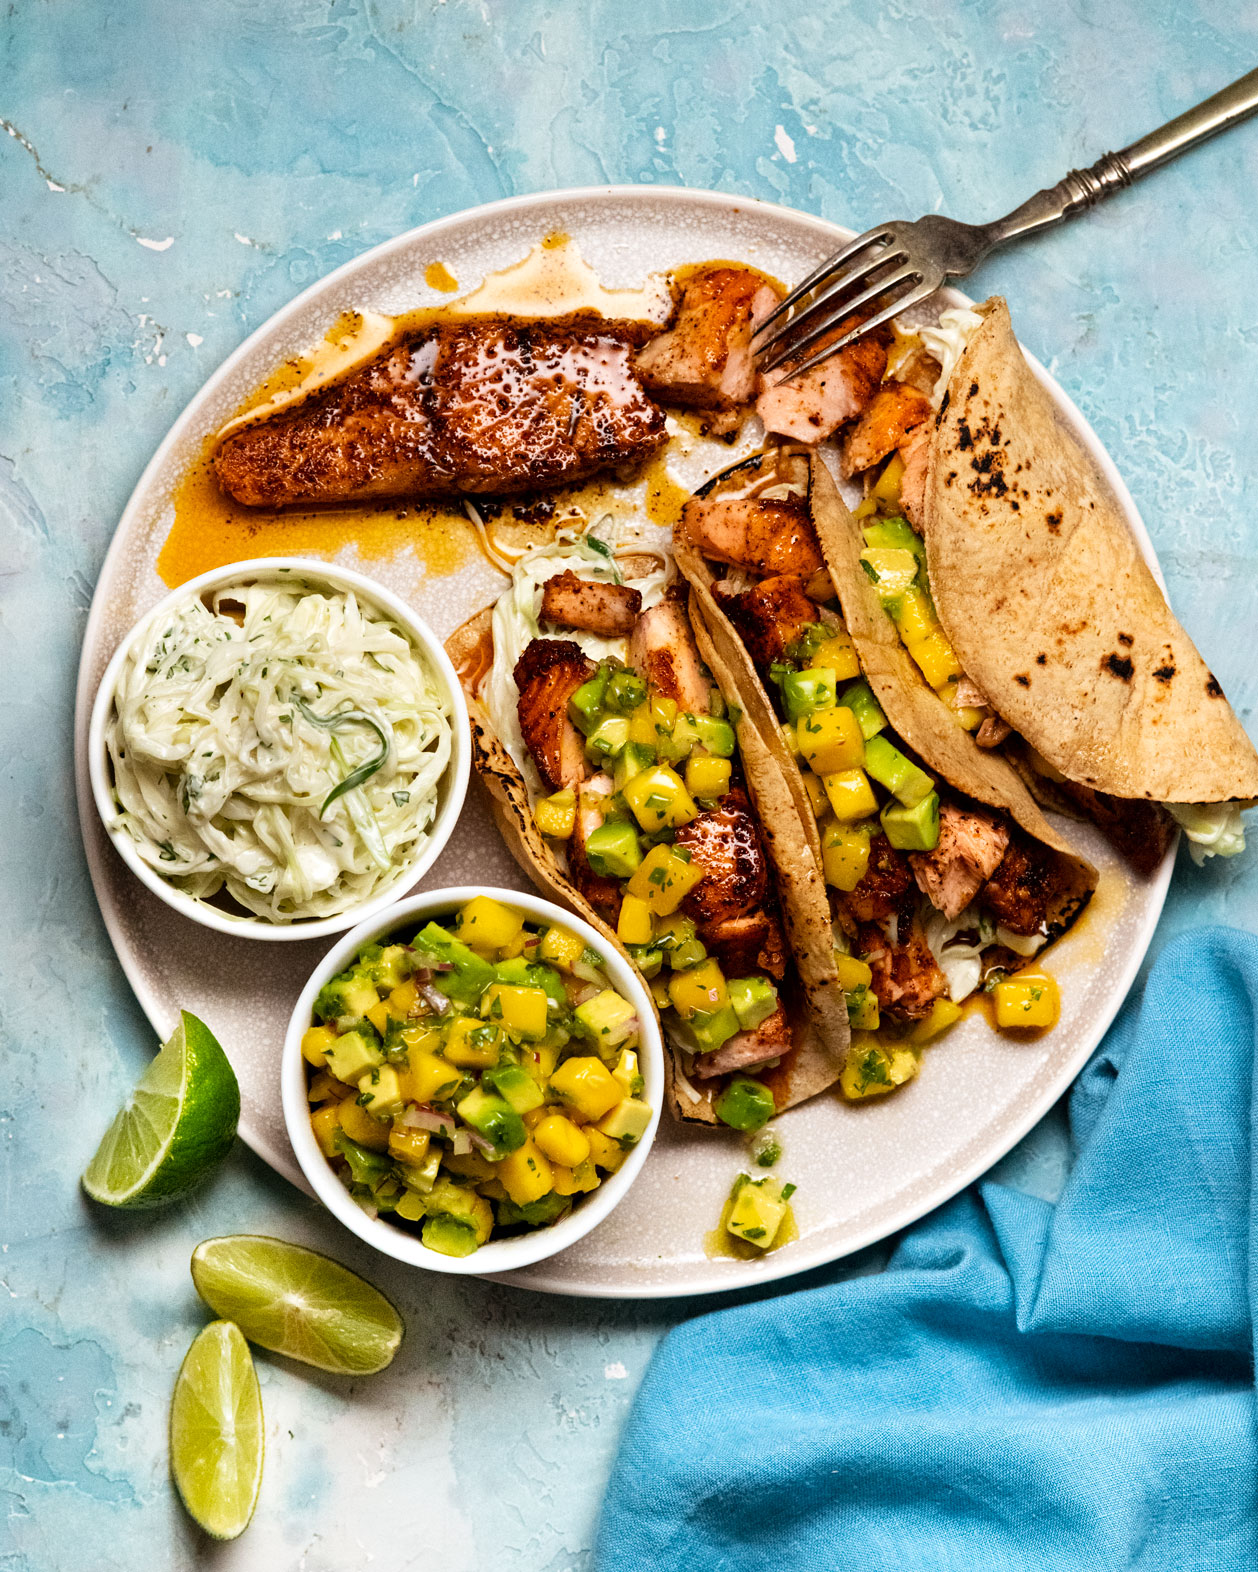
[172, 175]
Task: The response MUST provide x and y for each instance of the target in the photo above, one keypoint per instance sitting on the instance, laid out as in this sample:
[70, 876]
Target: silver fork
[908, 262]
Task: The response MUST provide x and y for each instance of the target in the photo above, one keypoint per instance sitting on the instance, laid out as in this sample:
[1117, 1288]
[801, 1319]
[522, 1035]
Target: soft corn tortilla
[1048, 603]
[819, 1017]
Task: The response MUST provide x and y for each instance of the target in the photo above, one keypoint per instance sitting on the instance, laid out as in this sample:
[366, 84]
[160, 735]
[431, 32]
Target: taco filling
[888, 443]
[934, 894]
[629, 755]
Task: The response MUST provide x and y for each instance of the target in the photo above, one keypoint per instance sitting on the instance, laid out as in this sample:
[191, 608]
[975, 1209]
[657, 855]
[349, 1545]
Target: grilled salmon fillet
[1023, 886]
[769, 616]
[547, 674]
[662, 648]
[476, 407]
[703, 361]
[726, 844]
[906, 977]
[767, 536]
[609, 610]
[769, 1040]
[915, 451]
[884, 425]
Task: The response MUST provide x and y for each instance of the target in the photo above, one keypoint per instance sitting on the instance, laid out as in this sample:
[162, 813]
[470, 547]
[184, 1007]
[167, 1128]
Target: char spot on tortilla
[973, 389]
[965, 438]
[1164, 673]
[1126, 640]
[1213, 688]
[1118, 666]
[1053, 520]
[943, 407]
[1022, 680]
[1041, 660]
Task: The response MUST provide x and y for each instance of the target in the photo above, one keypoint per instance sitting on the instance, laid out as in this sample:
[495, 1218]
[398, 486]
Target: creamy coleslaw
[279, 743]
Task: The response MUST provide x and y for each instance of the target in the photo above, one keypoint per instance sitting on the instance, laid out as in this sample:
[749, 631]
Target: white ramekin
[451, 790]
[502, 1255]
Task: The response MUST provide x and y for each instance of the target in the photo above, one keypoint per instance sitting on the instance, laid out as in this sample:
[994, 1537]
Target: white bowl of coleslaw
[279, 749]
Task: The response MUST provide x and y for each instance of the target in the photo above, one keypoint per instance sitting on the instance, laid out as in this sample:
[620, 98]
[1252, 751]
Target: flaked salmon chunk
[609, 610]
[814, 406]
[969, 850]
[767, 536]
[703, 361]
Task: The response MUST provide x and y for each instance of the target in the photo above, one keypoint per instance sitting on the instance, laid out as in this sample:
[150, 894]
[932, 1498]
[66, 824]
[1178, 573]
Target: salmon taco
[944, 876]
[1065, 655]
[628, 782]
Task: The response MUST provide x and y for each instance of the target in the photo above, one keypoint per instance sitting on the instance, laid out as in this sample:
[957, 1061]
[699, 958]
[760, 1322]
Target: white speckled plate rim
[863, 1172]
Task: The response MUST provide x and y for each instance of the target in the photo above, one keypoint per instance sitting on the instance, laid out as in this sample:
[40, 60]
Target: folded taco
[1068, 658]
[943, 874]
[627, 783]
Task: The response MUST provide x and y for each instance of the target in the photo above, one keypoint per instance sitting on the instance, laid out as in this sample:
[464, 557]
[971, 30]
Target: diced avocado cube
[901, 777]
[495, 1119]
[470, 975]
[716, 736]
[515, 1086]
[627, 1072]
[915, 828]
[585, 707]
[754, 1000]
[677, 741]
[346, 999]
[648, 958]
[535, 1213]
[635, 758]
[893, 569]
[380, 1092]
[624, 692]
[897, 533]
[757, 1209]
[745, 1104]
[711, 1030]
[392, 967]
[863, 1014]
[687, 955]
[627, 1122]
[608, 739]
[352, 1055]
[859, 698]
[449, 1236]
[366, 1167]
[612, 849]
[815, 688]
[607, 1018]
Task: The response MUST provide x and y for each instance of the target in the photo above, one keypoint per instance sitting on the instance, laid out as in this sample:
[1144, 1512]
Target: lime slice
[216, 1438]
[298, 1302]
[174, 1129]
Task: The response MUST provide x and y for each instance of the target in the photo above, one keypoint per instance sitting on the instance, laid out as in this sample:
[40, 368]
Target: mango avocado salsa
[475, 1081]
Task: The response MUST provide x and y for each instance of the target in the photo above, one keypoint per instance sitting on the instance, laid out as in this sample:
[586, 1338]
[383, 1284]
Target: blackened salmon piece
[969, 850]
[703, 361]
[726, 843]
[884, 425]
[1023, 887]
[1141, 831]
[906, 977]
[609, 610]
[887, 889]
[763, 534]
[769, 617]
[813, 406]
[662, 649]
[476, 407]
[749, 945]
[770, 1040]
[547, 674]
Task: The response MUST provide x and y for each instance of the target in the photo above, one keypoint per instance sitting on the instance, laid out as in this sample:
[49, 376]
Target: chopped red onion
[420, 1117]
[436, 1001]
[484, 1147]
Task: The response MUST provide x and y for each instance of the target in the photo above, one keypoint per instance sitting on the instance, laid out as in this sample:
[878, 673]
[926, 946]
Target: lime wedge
[175, 1128]
[216, 1437]
[298, 1302]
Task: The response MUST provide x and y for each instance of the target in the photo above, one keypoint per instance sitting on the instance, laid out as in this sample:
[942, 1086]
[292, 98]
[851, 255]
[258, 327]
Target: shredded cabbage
[958, 946]
[515, 620]
[1214, 829]
[234, 738]
[946, 341]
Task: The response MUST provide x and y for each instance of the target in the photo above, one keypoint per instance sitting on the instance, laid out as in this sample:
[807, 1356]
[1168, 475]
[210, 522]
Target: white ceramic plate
[862, 1171]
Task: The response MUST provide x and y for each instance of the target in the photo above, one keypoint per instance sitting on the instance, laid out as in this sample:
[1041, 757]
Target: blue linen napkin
[1028, 1385]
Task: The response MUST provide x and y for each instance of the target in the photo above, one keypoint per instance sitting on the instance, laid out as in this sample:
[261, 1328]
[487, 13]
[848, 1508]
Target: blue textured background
[174, 173]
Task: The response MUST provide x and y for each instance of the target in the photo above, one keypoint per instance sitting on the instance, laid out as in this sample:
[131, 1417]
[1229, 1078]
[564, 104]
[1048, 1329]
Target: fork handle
[1084, 188]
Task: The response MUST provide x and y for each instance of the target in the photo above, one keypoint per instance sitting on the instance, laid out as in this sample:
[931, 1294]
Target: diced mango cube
[576, 1181]
[361, 1127]
[560, 947]
[707, 776]
[633, 926]
[936, 658]
[839, 654]
[526, 1174]
[844, 854]
[663, 879]
[403, 999]
[853, 973]
[1027, 999]
[659, 800]
[518, 1010]
[426, 1078]
[378, 1015]
[325, 1122]
[851, 796]
[473, 1044]
[556, 815]
[586, 1085]
[701, 989]
[604, 1152]
[487, 923]
[408, 1146]
[916, 619]
[816, 793]
[562, 1141]
[315, 1044]
[943, 1014]
[831, 740]
[326, 1088]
